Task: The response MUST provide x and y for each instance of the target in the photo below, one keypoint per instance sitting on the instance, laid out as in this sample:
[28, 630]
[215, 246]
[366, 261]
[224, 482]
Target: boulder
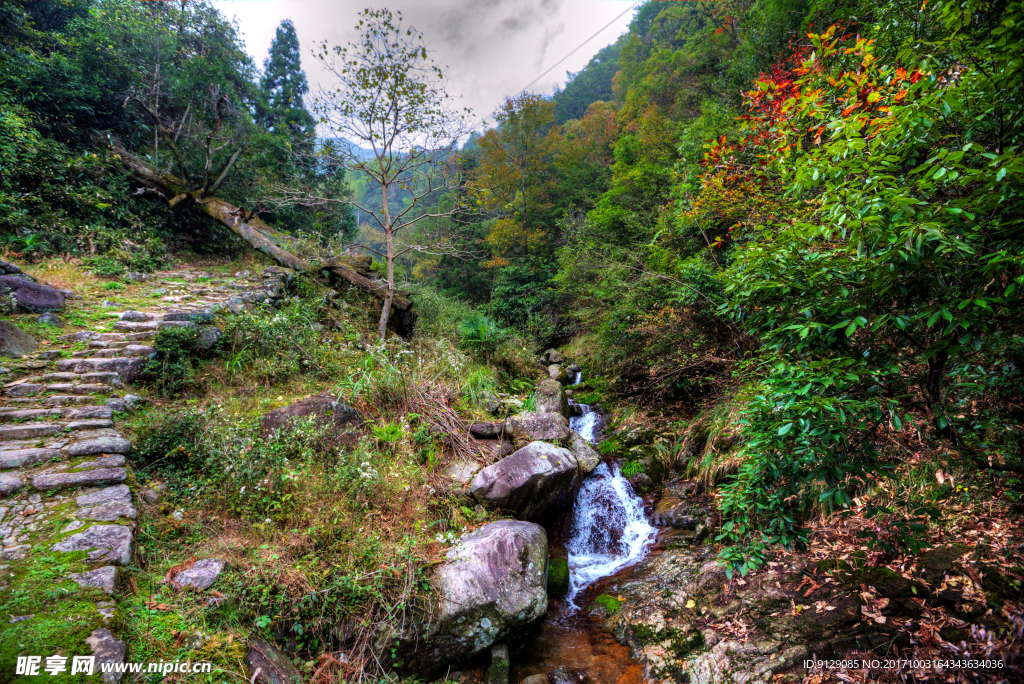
[587, 457]
[200, 575]
[491, 584]
[552, 356]
[497, 672]
[209, 337]
[33, 297]
[8, 268]
[105, 579]
[550, 397]
[107, 650]
[490, 430]
[269, 665]
[556, 372]
[534, 426]
[15, 342]
[325, 407]
[50, 319]
[109, 543]
[533, 483]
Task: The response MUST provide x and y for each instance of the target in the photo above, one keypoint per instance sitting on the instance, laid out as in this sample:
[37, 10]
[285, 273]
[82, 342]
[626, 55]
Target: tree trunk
[389, 239]
[264, 238]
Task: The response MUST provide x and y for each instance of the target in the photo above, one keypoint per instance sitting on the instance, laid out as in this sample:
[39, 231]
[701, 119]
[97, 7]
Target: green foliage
[178, 356]
[481, 335]
[273, 345]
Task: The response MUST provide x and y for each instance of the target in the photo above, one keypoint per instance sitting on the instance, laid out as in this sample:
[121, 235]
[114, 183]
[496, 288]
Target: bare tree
[392, 119]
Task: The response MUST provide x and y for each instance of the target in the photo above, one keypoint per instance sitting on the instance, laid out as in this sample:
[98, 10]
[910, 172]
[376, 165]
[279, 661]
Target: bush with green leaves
[275, 344]
[481, 335]
[179, 352]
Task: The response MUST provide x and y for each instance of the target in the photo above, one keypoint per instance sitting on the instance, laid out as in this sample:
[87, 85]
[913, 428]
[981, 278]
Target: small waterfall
[609, 529]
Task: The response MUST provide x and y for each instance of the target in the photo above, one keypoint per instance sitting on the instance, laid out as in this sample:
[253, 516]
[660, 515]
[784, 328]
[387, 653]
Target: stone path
[63, 473]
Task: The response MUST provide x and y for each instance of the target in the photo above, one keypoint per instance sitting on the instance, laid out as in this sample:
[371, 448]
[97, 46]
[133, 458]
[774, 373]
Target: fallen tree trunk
[261, 236]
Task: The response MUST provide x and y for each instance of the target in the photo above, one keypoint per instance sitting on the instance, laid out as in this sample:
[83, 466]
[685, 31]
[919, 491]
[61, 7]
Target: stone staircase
[61, 457]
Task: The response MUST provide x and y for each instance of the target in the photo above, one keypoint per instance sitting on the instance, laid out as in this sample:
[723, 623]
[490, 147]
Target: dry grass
[63, 273]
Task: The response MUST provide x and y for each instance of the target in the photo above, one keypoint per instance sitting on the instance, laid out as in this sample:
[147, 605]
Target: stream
[607, 531]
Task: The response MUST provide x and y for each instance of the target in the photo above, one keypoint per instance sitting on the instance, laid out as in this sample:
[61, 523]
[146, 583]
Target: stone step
[128, 368]
[82, 354]
[28, 414]
[59, 377]
[135, 327]
[90, 424]
[68, 399]
[88, 412]
[29, 431]
[18, 458]
[135, 337]
[107, 378]
[110, 337]
[25, 389]
[140, 350]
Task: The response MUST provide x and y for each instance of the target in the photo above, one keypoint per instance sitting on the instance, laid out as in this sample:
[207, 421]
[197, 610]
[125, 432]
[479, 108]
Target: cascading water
[609, 529]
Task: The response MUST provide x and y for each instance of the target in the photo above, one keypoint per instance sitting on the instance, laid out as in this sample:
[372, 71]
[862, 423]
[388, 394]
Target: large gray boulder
[32, 297]
[557, 372]
[534, 426]
[586, 456]
[492, 583]
[535, 482]
[325, 407]
[14, 341]
[269, 665]
[550, 397]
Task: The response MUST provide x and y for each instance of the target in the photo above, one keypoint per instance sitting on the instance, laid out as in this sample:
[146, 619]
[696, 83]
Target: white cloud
[492, 48]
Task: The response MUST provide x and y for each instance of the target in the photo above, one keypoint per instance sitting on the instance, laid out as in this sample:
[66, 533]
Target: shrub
[480, 334]
[178, 353]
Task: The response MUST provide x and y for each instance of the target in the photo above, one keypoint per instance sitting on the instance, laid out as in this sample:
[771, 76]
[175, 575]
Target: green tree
[390, 99]
[284, 85]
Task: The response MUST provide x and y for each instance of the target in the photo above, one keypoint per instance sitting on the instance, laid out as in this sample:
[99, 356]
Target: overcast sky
[492, 48]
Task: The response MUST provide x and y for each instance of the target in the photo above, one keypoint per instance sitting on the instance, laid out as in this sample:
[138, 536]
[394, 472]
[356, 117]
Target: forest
[777, 245]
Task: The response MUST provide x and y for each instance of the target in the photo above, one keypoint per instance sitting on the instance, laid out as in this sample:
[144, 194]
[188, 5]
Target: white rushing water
[609, 529]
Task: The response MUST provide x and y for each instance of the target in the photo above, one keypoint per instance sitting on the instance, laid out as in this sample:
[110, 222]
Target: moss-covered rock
[604, 605]
[558, 577]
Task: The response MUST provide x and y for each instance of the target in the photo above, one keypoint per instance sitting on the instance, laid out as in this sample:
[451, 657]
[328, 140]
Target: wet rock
[107, 649]
[200, 575]
[491, 584]
[586, 456]
[534, 483]
[563, 675]
[33, 297]
[269, 665]
[104, 543]
[105, 579]
[15, 342]
[51, 319]
[604, 605]
[551, 397]
[497, 672]
[325, 407]
[538, 426]
[641, 483]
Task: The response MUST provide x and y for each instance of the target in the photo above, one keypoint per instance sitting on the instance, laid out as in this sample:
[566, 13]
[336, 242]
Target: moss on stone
[558, 577]
[605, 603]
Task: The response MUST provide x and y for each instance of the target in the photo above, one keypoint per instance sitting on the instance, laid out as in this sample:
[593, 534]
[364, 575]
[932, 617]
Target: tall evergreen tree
[285, 83]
